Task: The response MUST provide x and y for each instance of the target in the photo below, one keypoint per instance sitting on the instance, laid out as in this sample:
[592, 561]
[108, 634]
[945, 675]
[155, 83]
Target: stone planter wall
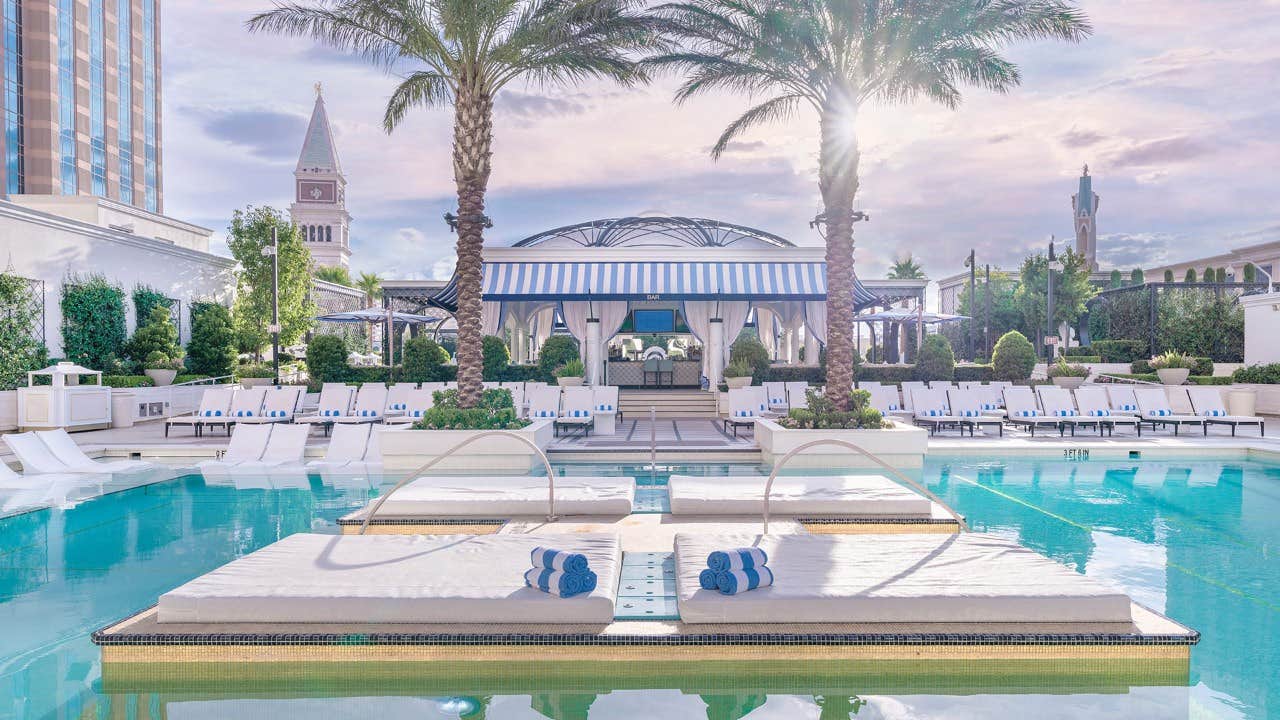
[409, 449]
[902, 446]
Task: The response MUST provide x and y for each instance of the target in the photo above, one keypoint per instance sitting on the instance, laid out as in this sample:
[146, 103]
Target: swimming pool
[1191, 538]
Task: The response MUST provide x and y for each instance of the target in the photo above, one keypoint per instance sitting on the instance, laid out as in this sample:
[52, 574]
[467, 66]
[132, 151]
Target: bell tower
[1085, 203]
[319, 206]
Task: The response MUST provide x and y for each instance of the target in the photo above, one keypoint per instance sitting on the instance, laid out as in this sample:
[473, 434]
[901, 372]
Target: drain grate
[647, 589]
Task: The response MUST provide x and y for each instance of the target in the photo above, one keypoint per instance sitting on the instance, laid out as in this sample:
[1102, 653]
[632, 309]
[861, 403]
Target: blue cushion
[1099, 413]
[604, 407]
[893, 407]
[1215, 413]
[244, 413]
[990, 406]
[969, 413]
[777, 401]
[1159, 413]
[1129, 407]
[544, 414]
[1066, 413]
[1027, 413]
[418, 413]
[399, 406]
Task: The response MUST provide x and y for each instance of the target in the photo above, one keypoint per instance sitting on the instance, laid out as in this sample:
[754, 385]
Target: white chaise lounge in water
[215, 406]
[37, 458]
[968, 578]
[69, 453]
[435, 579]
[348, 445]
[1154, 404]
[247, 444]
[1207, 403]
[840, 496]
[20, 493]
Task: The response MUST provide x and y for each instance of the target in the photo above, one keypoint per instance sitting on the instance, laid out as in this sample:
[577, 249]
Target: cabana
[662, 275]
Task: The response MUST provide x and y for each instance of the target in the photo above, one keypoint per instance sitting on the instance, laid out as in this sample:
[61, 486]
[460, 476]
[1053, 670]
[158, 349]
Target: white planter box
[901, 446]
[1268, 397]
[8, 410]
[410, 449]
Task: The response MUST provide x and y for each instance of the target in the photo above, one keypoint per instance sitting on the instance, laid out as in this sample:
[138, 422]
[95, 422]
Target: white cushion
[838, 496]
[309, 578]
[928, 578]
[503, 497]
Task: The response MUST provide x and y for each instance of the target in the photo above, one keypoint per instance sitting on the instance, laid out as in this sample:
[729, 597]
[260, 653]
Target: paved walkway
[667, 434]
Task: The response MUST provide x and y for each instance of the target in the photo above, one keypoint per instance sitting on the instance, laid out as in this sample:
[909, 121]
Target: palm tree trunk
[472, 143]
[838, 180]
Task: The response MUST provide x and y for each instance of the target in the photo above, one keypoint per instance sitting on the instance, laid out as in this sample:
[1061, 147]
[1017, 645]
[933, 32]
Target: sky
[1171, 103]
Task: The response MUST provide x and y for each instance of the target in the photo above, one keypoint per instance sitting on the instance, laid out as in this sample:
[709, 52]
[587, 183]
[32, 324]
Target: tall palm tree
[371, 285]
[835, 57]
[906, 269]
[462, 53]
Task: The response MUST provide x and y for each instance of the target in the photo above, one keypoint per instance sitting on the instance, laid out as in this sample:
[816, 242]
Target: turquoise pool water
[1193, 539]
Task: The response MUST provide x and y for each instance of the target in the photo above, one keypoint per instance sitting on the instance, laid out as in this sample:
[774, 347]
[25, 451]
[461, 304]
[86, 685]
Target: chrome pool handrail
[551, 476]
[768, 485]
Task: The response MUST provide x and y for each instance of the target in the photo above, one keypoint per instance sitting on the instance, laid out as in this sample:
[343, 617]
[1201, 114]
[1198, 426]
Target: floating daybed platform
[459, 599]
[481, 504]
[839, 504]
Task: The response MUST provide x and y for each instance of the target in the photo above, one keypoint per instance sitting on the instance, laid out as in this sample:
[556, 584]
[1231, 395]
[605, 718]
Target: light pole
[973, 301]
[986, 317]
[1051, 331]
[273, 251]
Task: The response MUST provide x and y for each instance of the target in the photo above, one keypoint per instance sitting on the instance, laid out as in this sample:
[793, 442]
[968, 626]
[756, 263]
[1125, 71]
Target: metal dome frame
[631, 232]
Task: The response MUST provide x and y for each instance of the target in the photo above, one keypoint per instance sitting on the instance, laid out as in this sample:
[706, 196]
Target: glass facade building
[80, 100]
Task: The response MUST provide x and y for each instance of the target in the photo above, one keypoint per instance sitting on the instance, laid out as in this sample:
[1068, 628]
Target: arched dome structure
[655, 232]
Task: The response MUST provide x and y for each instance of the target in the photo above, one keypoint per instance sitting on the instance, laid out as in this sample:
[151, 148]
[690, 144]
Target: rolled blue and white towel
[561, 584]
[732, 582]
[737, 559]
[544, 557]
[707, 580]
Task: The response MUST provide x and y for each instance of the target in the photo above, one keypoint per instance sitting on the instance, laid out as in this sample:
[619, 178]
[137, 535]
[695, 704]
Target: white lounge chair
[215, 406]
[416, 404]
[1122, 400]
[1058, 403]
[905, 388]
[869, 385]
[247, 404]
[285, 449]
[885, 399]
[931, 410]
[576, 410]
[1154, 404]
[1092, 402]
[544, 403]
[37, 458]
[279, 406]
[348, 445]
[247, 444]
[335, 401]
[776, 396]
[1207, 403]
[943, 385]
[745, 407]
[967, 405]
[798, 395]
[398, 398]
[69, 453]
[1020, 407]
[604, 402]
[371, 405]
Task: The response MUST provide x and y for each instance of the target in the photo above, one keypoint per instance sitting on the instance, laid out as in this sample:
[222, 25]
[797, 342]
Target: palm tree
[335, 274]
[371, 285]
[835, 57]
[462, 53]
[906, 269]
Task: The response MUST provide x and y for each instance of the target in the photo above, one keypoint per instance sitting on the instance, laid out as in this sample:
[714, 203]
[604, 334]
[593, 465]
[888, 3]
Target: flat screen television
[654, 321]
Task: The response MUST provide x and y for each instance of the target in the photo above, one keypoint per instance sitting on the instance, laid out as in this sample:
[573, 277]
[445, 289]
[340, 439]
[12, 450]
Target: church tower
[1085, 203]
[319, 207]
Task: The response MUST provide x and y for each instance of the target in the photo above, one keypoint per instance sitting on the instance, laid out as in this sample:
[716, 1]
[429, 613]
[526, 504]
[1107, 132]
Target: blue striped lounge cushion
[580, 413]
[1215, 413]
[742, 413]
[244, 413]
[969, 413]
[893, 407]
[399, 406]
[544, 414]
[277, 413]
[604, 407]
[212, 413]
[1159, 413]
[763, 408]
[1099, 413]
[329, 413]
[1066, 413]
[934, 413]
[418, 413]
[777, 401]
[1129, 407]
[1027, 413]
[990, 406]
[368, 413]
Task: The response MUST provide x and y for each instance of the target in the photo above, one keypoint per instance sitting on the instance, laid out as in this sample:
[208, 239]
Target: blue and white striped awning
[645, 280]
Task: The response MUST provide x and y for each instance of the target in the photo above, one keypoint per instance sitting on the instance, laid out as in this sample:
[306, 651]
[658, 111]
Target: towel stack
[736, 571]
[560, 573]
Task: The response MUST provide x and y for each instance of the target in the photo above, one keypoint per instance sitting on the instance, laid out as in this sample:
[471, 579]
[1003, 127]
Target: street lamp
[1051, 331]
[973, 300]
[273, 251]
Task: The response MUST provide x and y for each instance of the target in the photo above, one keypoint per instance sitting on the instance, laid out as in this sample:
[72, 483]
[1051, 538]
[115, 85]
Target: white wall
[46, 247]
[1261, 328]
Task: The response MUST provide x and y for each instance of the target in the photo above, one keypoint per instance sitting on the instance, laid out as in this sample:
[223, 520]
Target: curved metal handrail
[551, 476]
[768, 485]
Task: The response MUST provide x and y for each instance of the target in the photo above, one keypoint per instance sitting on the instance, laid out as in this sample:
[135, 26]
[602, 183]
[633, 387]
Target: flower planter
[736, 383]
[1173, 376]
[410, 449]
[1070, 383]
[569, 381]
[1242, 402]
[901, 446]
[161, 377]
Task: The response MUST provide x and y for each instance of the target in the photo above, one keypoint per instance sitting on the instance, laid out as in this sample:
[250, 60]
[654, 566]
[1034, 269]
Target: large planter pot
[161, 377]
[254, 382]
[735, 383]
[569, 381]
[1173, 376]
[901, 446]
[1242, 402]
[1070, 383]
[410, 449]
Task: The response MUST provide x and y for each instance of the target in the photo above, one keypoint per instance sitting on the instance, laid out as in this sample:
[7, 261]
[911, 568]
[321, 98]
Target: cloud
[1134, 250]
[525, 106]
[265, 133]
[1158, 152]
[1076, 138]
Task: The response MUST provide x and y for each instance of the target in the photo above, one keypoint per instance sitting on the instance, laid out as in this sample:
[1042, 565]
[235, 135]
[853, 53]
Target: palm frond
[423, 88]
[772, 110]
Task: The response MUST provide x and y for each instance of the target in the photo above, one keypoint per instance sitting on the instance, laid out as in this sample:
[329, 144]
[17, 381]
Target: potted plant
[161, 368]
[255, 374]
[1067, 376]
[737, 375]
[1173, 367]
[570, 374]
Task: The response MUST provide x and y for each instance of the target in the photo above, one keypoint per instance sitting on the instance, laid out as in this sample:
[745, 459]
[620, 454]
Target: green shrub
[212, 349]
[146, 299]
[21, 314]
[737, 369]
[189, 377]
[156, 341]
[891, 375]
[1173, 360]
[571, 369]
[974, 373]
[1209, 380]
[796, 373]
[496, 411]
[93, 325]
[127, 381]
[368, 374]
[822, 414]
[327, 359]
[255, 370]
[494, 357]
[1061, 369]
[1083, 358]
[1013, 357]
[749, 351]
[1168, 276]
[1258, 374]
[423, 360]
[556, 351]
[1202, 366]
[1118, 351]
[935, 360]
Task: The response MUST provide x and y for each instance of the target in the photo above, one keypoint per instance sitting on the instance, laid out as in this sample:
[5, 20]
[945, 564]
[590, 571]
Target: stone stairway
[635, 404]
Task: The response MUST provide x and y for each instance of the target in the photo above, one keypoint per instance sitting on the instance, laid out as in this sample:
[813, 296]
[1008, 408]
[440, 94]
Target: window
[151, 163]
[11, 15]
[67, 95]
[124, 72]
[97, 100]
[328, 233]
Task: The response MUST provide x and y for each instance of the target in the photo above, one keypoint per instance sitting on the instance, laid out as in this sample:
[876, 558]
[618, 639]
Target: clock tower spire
[319, 206]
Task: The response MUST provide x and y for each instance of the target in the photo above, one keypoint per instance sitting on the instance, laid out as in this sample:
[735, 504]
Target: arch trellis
[655, 232]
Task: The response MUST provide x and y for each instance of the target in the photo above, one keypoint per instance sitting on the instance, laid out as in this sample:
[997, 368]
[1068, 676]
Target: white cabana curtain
[697, 315]
[612, 314]
[544, 320]
[576, 313]
[734, 315]
[815, 314]
[767, 328]
[490, 317]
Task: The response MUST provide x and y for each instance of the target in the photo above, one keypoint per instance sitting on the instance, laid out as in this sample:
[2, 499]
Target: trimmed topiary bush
[212, 350]
[556, 351]
[423, 359]
[936, 361]
[495, 357]
[93, 325]
[749, 351]
[327, 359]
[1013, 358]
[1118, 351]
[156, 341]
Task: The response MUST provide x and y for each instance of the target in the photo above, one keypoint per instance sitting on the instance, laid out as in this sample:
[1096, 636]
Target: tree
[1207, 275]
[1117, 280]
[906, 269]
[327, 359]
[335, 274]
[1250, 273]
[212, 349]
[1137, 278]
[1220, 275]
[1005, 315]
[1168, 276]
[423, 359]
[371, 285]
[1013, 358]
[1071, 291]
[556, 351]
[249, 233]
[834, 57]
[936, 360]
[93, 325]
[1190, 276]
[156, 337]
[463, 53]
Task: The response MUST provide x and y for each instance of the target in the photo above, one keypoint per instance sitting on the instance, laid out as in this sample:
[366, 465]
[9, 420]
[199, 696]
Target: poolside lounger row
[54, 452]
[227, 406]
[260, 447]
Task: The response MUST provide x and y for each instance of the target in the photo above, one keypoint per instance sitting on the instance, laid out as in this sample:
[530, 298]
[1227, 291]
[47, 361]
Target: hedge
[1119, 351]
[793, 373]
[888, 374]
[975, 373]
[1258, 374]
[935, 361]
[1194, 379]
[1083, 358]
[93, 325]
[127, 381]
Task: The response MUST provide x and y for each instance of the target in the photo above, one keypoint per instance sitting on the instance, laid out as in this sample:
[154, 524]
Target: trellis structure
[28, 300]
[1200, 318]
[332, 298]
